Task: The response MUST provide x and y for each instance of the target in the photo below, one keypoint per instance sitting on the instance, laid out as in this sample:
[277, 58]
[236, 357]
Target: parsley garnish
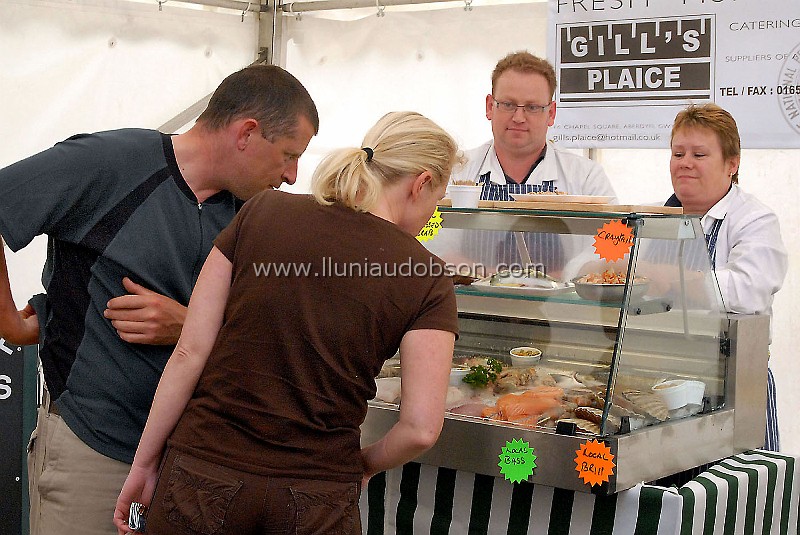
[481, 375]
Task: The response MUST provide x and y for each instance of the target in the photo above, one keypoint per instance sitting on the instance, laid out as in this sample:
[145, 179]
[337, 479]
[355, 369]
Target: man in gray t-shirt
[130, 216]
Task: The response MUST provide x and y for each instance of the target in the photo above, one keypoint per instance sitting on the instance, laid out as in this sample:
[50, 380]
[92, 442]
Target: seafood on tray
[541, 396]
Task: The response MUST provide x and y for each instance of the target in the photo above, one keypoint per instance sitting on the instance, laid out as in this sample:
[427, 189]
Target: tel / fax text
[755, 90]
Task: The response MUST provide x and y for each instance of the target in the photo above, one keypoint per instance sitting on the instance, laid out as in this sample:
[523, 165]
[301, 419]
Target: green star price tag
[517, 461]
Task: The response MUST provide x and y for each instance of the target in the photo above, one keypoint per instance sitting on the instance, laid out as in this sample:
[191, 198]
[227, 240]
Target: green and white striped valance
[754, 493]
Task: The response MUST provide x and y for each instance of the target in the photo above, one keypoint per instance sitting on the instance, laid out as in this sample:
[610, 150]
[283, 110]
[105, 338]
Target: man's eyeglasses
[511, 107]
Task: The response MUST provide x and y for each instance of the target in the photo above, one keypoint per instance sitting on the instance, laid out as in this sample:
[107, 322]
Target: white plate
[552, 197]
[485, 286]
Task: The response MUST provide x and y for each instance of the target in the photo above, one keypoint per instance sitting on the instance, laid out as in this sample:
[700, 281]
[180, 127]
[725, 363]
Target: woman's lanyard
[711, 241]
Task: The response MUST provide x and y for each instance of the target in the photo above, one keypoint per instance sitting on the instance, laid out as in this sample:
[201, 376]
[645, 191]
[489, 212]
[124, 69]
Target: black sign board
[17, 391]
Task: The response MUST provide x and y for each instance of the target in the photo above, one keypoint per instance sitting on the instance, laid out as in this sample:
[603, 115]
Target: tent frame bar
[293, 8]
[238, 5]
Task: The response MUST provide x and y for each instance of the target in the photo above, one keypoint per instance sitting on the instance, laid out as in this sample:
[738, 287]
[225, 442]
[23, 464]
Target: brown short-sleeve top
[320, 297]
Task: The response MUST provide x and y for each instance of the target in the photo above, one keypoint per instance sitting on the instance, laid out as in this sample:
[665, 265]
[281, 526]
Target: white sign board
[626, 67]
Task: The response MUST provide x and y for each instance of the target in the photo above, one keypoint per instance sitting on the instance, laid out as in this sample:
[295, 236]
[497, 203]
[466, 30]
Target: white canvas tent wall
[85, 65]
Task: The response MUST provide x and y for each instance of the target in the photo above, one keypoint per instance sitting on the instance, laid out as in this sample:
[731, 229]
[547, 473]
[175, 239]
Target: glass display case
[589, 324]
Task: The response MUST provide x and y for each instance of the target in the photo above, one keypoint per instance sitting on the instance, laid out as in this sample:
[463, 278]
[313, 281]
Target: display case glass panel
[616, 343]
[632, 350]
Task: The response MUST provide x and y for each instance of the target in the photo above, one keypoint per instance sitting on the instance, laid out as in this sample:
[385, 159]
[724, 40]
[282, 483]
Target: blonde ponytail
[402, 144]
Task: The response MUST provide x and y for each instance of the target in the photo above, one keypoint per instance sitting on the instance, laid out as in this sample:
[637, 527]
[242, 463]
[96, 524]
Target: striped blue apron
[771, 436]
[492, 248]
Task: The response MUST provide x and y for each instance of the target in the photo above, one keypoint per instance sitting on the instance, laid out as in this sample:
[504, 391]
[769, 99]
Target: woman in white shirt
[743, 235]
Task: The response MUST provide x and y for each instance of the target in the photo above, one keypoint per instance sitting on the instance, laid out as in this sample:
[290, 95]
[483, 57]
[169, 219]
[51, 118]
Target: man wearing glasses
[519, 159]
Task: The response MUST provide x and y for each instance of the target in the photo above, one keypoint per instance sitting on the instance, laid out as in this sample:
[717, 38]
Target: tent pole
[183, 118]
[269, 34]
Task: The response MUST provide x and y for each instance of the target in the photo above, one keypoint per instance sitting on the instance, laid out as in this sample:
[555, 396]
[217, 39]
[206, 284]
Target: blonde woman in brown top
[256, 420]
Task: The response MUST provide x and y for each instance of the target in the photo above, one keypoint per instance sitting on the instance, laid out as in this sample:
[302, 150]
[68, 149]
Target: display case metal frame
[645, 454]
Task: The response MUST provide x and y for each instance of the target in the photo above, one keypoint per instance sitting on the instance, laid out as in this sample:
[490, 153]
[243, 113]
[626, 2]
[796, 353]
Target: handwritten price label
[431, 228]
[613, 240]
[517, 461]
[594, 463]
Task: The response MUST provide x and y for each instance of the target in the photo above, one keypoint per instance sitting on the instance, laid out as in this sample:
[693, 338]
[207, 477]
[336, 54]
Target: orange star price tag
[594, 463]
[613, 240]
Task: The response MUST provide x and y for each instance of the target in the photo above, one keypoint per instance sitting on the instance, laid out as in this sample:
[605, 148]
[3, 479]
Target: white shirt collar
[492, 165]
[720, 209]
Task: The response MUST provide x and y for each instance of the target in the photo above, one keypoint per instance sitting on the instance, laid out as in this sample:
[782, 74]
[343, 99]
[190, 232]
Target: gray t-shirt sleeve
[64, 190]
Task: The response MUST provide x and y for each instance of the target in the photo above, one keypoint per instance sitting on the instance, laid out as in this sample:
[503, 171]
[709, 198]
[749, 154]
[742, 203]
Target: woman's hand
[139, 487]
[20, 327]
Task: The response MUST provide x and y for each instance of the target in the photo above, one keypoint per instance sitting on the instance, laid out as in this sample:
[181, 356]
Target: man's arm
[19, 327]
[145, 317]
